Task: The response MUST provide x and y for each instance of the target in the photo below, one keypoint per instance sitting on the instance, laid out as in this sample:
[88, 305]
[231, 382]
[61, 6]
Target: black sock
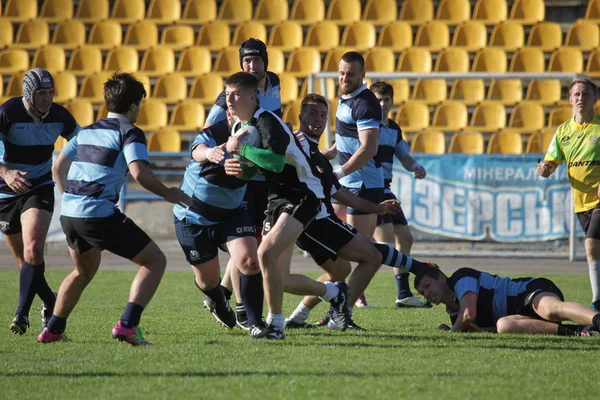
[27, 288]
[251, 288]
[403, 285]
[43, 289]
[57, 324]
[568, 330]
[596, 321]
[227, 293]
[217, 295]
[240, 308]
[132, 315]
[393, 258]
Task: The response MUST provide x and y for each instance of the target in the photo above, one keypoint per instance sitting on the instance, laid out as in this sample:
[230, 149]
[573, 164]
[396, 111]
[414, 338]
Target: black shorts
[590, 222]
[116, 233]
[396, 219]
[201, 243]
[534, 288]
[372, 195]
[41, 198]
[324, 237]
[256, 198]
[304, 208]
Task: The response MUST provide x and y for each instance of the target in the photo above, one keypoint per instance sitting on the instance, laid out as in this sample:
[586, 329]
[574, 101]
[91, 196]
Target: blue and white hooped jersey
[356, 112]
[391, 144]
[216, 195]
[101, 154]
[28, 146]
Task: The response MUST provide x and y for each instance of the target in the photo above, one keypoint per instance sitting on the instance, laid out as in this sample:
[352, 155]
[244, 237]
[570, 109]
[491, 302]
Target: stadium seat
[158, 61]
[82, 110]
[227, 62]
[322, 36]
[304, 61]
[332, 59]
[490, 59]
[215, 36]
[187, 116]
[380, 60]
[194, 61]
[286, 36]
[401, 90]
[205, 89]
[413, 116]
[505, 143]
[271, 12]
[450, 116]
[506, 91]
[308, 12]
[60, 144]
[488, 116]
[51, 58]
[380, 12]
[434, 36]
[170, 88]
[21, 10]
[153, 115]
[431, 91]
[145, 80]
[329, 85]
[539, 141]
[397, 36]
[55, 11]
[276, 61]
[490, 12]
[235, 11]
[123, 58]
[14, 87]
[249, 29]
[453, 12]
[142, 35]
[288, 88]
[566, 59]
[528, 12]
[469, 91]
[164, 11]
[92, 88]
[344, 12]
[333, 106]
[32, 35]
[291, 114]
[416, 12]
[508, 36]
[593, 64]
[431, 142]
[361, 36]
[177, 37]
[13, 60]
[69, 34]
[106, 35]
[65, 87]
[415, 59]
[466, 143]
[165, 140]
[453, 59]
[592, 12]
[85, 60]
[199, 12]
[527, 60]
[545, 91]
[584, 35]
[559, 116]
[128, 11]
[527, 116]
[91, 11]
[6, 33]
[470, 35]
[545, 35]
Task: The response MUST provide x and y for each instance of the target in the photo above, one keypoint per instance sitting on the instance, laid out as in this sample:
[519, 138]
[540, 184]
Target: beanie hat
[254, 47]
[34, 80]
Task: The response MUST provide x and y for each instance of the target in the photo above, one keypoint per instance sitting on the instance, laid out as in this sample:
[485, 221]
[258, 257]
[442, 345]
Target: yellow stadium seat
[199, 12]
[415, 59]
[142, 35]
[506, 91]
[85, 60]
[539, 141]
[145, 80]
[14, 87]
[165, 140]
[214, 36]
[469, 91]
[271, 12]
[597, 107]
[13, 60]
[106, 35]
[51, 58]
[177, 37]
[286, 36]
[360, 35]
[505, 143]
[69, 34]
[470, 35]
[490, 59]
[592, 12]
[431, 91]
[380, 60]
[380, 12]
[187, 116]
[431, 142]
[57, 10]
[333, 106]
[397, 36]
[32, 34]
[158, 61]
[329, 86]
[528, 12]
[453, 12]
[433, 36]
[65, 87]
[6, 33]
[466, 143]
[235, 11]
[323, 36]
[545, 35]
[276, 61]
[122, 58]
[92, 88]
[413, 116]
[508, 35]
[170, 88]
[559, 116]
[453, 59]
[344, 12]
[205, 89]
[566, 59]
[249, 29]
[545, 91]
[227, 62]
[60, 144]
[527, 116]
[304, 61]
[401, 90]
[82, 110]
[490, 12]
[153, 115]
[450, 116]
[332, 59]
[21, 10]
[288, 88]
[291, 114]
[90, 11]
[488, 116]
[593, 65]
[308, 12]
[194, 61]
[128, 11]
[584, 35]
[416, 12]
[527, 59]
[164, 11]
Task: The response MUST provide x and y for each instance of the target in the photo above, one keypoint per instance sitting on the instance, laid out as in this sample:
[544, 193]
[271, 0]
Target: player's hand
[233, 167]
[544, 169]
[300, 136]
[389, 207]
[419, 171]
[216, 154]
[177, 196]
[234, 143]
[444, 328]
[16, 181]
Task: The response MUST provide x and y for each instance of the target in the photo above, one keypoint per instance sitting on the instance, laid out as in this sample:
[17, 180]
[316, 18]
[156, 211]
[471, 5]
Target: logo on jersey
[594, 139]
[565, 141]
[589, 163]
[4, 225]
[244, 229]
[194, 255]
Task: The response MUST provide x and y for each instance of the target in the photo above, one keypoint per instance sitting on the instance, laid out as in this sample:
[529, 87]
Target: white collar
[117, 116]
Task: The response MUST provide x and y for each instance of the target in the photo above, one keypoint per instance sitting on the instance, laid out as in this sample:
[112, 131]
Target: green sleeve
[249, 172]
[554, 152]
[265, 159]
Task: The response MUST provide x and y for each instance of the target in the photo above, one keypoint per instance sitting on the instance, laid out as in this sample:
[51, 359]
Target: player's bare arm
[546, 168]
[467, 313]
[410, 164]
[203, 153]
[60, 170]
[141, 172]
[351, 200]
[369, 139]
[331, 152]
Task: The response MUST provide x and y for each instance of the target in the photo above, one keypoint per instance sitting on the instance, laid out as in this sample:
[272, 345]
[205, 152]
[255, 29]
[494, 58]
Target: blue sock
[57, 324]
[27, 288]
[132, 315]
[252, 292]
[393, 258]
[403, 285]
[43, 289]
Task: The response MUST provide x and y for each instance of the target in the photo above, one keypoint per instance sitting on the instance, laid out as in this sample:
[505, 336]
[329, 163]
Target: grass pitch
[401, 356]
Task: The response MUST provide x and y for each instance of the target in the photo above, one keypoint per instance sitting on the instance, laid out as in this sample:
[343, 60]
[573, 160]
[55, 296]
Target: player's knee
[157, 260]
[249, 265]
[373, 257]
[33, 252]
[505, 325]
[406, 241]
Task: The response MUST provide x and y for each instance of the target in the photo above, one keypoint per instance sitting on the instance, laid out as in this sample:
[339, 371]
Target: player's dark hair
[432, 272]
[122, 90]
[590, 85]
[353, 56]
[243, 80]
[313, 98]
[382, 88]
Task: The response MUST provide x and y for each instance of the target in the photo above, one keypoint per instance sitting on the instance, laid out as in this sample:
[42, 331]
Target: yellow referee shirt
[577, 145]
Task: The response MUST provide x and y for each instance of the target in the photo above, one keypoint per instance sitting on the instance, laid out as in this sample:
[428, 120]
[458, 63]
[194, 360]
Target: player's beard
[348, 90]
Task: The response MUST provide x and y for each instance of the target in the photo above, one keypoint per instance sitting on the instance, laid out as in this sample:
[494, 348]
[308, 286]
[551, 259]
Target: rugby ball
[252, 138]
